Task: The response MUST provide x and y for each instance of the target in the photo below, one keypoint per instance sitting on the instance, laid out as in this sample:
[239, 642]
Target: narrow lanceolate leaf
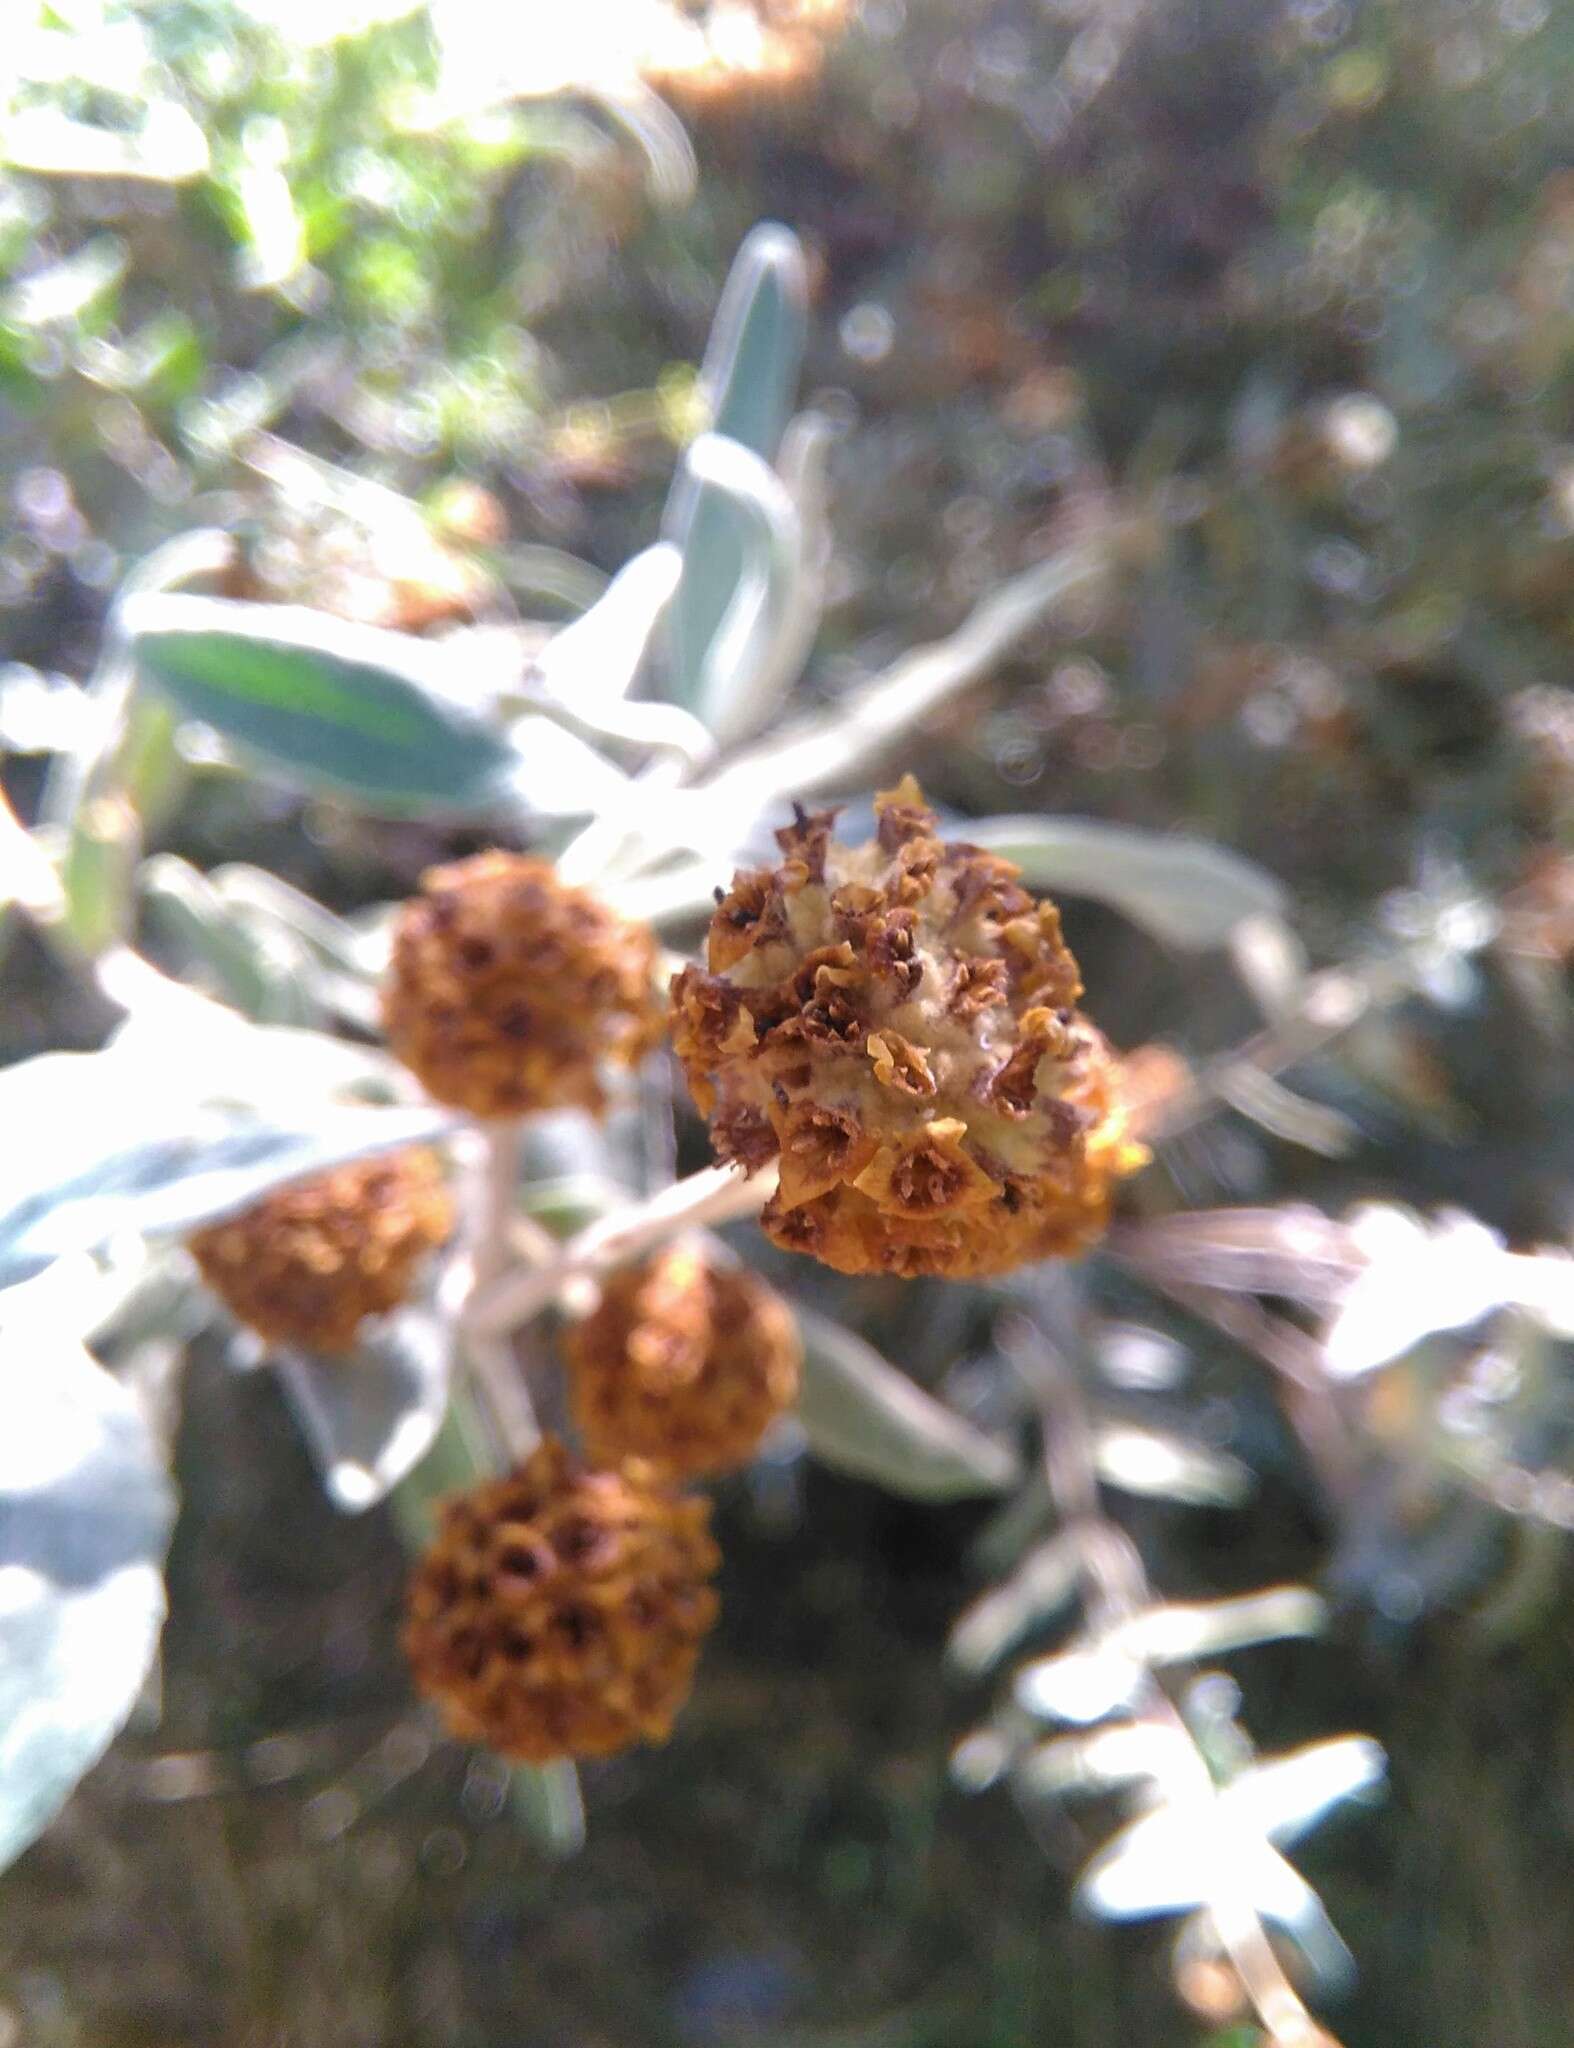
[365, 713]
[864, 1417]
[1188, 892]
[85, 1516]
[751, 366]
[186, 1176]
[1039, 1588]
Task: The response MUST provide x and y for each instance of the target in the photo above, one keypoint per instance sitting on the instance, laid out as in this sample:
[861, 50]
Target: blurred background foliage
[1283, 297]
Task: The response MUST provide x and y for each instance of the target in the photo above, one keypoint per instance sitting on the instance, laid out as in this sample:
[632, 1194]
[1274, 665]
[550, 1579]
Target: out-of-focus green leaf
[353, 709]
[370, 1419]
[262, 972]
[1041, 1585]
[1163, 1466]
[864, 1417]
[85, 1516]
[752, 360]
[171, 1181]
[1187, 892]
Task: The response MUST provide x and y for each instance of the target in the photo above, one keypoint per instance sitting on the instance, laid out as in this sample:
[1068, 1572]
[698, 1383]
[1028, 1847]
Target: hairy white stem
[493, 1190]
[714, 1196]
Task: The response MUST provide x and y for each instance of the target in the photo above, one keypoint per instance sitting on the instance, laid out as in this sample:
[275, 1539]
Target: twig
[494, 1191]
[717, 1195]
[1116, 1590]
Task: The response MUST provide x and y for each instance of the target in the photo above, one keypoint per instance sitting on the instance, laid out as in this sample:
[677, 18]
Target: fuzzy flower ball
[560, 1611]
[896, 1024]
[307, 1263]
[509, 991]
[684, 1362]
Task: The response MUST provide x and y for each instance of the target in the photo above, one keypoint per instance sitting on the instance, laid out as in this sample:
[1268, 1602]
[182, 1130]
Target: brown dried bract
[309, 1262]
[684, 1363]
[560, 1611]
[510, 991]
[897, 1022]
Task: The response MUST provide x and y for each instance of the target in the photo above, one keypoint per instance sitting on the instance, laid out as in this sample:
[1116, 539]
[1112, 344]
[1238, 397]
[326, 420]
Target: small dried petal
[560, 1611]
[309, 1262]
[508, 991]
[897, 1064]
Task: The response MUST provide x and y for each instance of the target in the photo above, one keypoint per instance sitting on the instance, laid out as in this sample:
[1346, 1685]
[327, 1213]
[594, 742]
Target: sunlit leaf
[1103, 1760]
[752, 359]
[599, 654]
[1082, 1685]
[1153, 1462]
[371, 1417]
[864, 1417]
[1188, 892]
[1041, 1585]
[85, 1516]
[358, 710]
[1179, 1632]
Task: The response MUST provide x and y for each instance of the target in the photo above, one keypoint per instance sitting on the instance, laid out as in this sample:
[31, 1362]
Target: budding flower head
[560, 1611]
[307, 1263]
[684, 1362]
[896, 1024]
[509, 990]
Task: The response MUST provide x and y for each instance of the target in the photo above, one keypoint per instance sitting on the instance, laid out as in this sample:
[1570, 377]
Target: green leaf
[262, 971]
[85, 1516]
[1185, 891]
[356, 710]
[864, 1417]
[755, 352]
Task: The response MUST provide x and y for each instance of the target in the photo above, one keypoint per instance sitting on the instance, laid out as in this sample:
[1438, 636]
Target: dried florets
[896, 1023]
[560, 1611]
[309, 1262]
[509, 990]
[684, 1362]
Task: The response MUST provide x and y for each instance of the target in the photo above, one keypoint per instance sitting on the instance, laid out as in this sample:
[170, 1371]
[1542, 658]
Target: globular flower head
[896, 1024]
[684, 1362]
[510, 991]
[307, 1263]
[560, 1611]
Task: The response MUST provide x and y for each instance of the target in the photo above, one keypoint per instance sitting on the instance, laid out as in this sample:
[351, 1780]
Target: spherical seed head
[309, 1262]
[509, 991]
[684, 1363]
[896, 1024]
[560, 1611]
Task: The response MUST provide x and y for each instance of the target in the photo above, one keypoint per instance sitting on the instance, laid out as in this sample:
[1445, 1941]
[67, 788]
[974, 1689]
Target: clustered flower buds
[560, 1611]
[307, 1263]
[684, 1362]
[509, 990]
[896, 1024]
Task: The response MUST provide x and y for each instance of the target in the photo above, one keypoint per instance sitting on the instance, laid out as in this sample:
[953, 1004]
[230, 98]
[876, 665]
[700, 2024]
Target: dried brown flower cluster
[508, 990]
[704, 52]
[896, 1023]
[560, 1612]
[307, 1263]
[684, 1362]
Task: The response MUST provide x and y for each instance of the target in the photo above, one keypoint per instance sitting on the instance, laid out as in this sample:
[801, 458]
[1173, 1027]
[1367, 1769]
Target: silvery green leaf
[738, 595]
[864, 1417]
[328, 704]
[547, 1799]
[370, 1417]
[1292, 1250]
[1181, 1632]
[1039, 1588]
[1285, 1796]
[559, 775]
[1104, 1759]
[1188, 892]
[40, 712]
[598, 655]
[1155, 1463]
[755, 352]
[1420, 1277]
[1184, 1855]
[1090, 1682]
[209, 1055]
[263, 973]
[85, 1515]
[198, 1168]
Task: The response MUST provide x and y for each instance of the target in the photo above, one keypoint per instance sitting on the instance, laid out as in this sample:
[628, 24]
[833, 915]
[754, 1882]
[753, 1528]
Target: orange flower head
[896, 1025]
[560, 1611]
[510, 991]
[309, 1262]
[685, 1362]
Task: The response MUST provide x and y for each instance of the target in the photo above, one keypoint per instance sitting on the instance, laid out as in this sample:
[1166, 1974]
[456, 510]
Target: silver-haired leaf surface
[755, 351]
[185, 1176]
[371, 1417]
[85, 1514]
[1188, 892]
[358, 711]
[864, 1417]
